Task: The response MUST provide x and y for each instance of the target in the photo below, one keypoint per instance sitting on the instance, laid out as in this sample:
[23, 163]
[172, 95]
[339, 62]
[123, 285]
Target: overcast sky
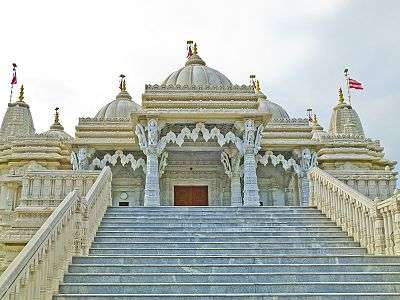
[70, 53]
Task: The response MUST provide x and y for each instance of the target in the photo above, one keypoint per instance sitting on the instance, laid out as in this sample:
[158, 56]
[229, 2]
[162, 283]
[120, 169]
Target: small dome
[276, 110]
[344, 119]
[57, 130]
[57, 134]
[121, 107]
[195, 72]
[18, 120]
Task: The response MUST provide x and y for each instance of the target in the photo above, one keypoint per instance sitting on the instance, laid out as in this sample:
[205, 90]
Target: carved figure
[80, 161]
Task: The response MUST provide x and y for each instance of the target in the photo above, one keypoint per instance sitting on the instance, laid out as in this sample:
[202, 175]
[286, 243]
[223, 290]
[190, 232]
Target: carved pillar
[251, 145]
[308, 160]
[250, 188]
[152, 186]
[152, 149]
[231, 161]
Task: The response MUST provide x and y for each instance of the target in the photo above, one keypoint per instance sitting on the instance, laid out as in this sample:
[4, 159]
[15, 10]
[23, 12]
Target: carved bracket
[113, 159]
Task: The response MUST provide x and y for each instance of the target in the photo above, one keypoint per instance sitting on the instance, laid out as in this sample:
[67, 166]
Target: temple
[196, 139]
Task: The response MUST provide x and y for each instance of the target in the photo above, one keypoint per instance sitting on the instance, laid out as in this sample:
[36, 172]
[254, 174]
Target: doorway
[190, 195]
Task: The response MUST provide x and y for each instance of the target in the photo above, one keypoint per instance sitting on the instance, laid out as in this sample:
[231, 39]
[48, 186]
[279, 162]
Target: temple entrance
[188, 195]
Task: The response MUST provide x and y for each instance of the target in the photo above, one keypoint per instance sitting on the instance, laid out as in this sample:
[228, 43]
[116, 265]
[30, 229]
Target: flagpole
[11, 92]
[346, 75]
[13, 80]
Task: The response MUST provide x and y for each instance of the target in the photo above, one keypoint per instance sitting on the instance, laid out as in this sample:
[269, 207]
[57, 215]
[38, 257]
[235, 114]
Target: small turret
[57, 130]
[18, 120]
[344, 119]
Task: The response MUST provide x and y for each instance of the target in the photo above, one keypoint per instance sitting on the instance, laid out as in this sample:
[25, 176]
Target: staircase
[226, 253]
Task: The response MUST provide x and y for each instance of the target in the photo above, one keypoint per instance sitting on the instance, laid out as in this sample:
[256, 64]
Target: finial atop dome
[192, 56]
[21, 94]
[57, 125]
[341, 97]
[123, 94]
[122, 83]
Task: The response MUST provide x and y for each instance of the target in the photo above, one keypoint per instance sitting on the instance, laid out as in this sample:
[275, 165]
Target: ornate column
[152, 149]
[308, 160]
[250, 147]
[152, 186]
[231, 161]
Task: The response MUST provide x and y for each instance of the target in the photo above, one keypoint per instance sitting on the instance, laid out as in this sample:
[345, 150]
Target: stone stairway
[227, 253]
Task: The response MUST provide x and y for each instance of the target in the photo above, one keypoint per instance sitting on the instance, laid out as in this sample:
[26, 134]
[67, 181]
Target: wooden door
[185, 195]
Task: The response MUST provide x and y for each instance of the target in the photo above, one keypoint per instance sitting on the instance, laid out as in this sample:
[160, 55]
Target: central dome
[195, 72]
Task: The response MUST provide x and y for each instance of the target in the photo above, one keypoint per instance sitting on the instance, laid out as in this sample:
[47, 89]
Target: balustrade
[37, 270]
[376, 226]
[48, 188]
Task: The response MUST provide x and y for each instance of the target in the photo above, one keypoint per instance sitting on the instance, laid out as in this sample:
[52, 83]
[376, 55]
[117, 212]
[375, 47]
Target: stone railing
[375, 225]
[48, 188]
[37, 270]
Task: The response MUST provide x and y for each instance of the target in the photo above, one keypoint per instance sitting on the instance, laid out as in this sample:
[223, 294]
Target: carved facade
[194, 129]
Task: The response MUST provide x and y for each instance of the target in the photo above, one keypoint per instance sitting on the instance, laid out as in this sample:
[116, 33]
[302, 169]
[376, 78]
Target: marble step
[229, 288]
[194, 238]
[236, 259]
[229, 277]
[223, 215]
[230, 245]
[212, 219]
[218, 251]
[218, 223]
[224, 230]
[203, 233]
[178, 209]
[250, 296]
[232, 268]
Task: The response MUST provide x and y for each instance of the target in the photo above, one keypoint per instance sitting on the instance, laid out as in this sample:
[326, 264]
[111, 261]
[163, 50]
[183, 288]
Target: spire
[195, 49]
[341, 97]
[122, 83]
[257, 86]
[314, 123]
[21, 94]
[57, 125]
[193, 56]
[123, 94]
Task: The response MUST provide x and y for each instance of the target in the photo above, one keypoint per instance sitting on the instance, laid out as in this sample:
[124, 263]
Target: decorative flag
[189, 49]
[190, 53]
[252, 81]
[354, 84]
[14, 76]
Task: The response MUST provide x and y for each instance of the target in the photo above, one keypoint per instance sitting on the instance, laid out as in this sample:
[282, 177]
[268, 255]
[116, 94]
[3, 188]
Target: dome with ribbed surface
[195, 72]
[121, 107]
[271, 107]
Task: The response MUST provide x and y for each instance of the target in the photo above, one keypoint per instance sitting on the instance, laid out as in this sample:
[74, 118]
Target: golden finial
[122, 83]
[57, 116]
[195, 49]
[257, 86]
[21, 94]
[315, 120]
[341, 97]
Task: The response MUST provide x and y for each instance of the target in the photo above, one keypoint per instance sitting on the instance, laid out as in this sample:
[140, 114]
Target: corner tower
[18, 120]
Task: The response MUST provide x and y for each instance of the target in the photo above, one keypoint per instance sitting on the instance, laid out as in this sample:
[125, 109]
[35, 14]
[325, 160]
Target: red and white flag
[14, 76]
[190, 53]
[354, 84]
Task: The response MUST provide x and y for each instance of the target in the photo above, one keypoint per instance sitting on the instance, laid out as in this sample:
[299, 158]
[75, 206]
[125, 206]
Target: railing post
[379, 232]
[396, 227]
